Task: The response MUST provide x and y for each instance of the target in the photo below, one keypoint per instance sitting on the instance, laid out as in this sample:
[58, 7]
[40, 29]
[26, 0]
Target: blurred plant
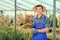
[51, 20]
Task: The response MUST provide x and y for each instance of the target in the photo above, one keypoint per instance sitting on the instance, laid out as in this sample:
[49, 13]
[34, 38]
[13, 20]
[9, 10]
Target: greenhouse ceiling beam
[9, 4]
[32, 3]
[32, 10]
[56, 11]
[12, 5]
[6, 5]
[6, 2]
[28, 2]
[58, 0]
[46, 4]
[18, 10]
[29, 10]
[4, 8]
[21, 8]
[21, 5]
[1, 8]
[18, 6]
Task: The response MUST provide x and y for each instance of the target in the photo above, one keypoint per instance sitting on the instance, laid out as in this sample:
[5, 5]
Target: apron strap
[34, 19]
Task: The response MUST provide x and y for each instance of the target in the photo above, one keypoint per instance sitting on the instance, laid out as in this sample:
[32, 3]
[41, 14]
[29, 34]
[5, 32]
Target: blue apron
[39, 35]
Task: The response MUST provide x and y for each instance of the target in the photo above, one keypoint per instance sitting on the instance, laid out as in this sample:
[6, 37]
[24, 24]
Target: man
[40, 24]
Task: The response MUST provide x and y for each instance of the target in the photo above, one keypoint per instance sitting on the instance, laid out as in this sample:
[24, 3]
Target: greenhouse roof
[27, 4]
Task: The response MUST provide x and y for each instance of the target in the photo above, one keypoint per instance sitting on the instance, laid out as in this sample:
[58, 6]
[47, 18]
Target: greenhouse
[15, 16]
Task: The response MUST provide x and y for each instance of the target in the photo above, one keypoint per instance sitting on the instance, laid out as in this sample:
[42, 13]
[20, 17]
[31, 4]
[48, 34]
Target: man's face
[39, 10]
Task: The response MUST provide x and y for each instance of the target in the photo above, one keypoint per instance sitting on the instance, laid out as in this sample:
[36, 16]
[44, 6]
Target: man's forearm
[44, 30]
[40, 30]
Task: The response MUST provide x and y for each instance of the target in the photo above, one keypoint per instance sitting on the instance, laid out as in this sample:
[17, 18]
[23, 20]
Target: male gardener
[41, 24]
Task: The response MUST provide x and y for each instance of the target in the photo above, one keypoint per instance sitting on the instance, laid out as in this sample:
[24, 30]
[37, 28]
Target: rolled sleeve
[31, 20]
[47, 23]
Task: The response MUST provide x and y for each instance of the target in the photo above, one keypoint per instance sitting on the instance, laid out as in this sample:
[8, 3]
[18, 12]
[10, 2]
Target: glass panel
[6, 20]
[57, 21]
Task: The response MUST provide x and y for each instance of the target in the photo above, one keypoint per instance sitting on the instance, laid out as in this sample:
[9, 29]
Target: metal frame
[15, 18]
[54, 19]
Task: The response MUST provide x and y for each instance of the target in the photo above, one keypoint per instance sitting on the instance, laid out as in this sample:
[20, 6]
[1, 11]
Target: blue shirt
[46, 22]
